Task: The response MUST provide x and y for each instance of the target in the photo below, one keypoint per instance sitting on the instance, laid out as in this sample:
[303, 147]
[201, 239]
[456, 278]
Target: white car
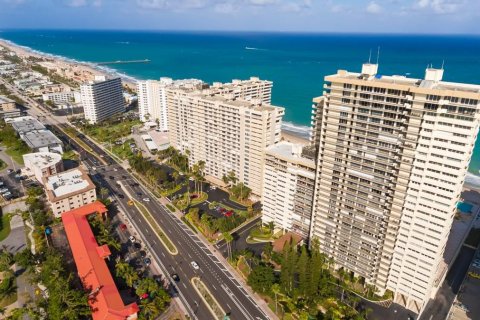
[146, 199]
[132, 239]
[194, 265]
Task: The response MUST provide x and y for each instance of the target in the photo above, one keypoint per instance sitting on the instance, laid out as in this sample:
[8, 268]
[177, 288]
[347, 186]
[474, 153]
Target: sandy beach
[83, 71]
[294, 137]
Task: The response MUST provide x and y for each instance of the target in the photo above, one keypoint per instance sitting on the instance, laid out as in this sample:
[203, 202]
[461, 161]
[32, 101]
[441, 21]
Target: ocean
[296, 63]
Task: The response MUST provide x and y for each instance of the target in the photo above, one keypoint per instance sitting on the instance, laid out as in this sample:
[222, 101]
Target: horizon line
[299, 32]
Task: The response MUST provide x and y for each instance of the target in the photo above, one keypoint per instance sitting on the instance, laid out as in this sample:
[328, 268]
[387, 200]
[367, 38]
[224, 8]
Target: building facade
[393, 155]
[288, 187]
[42, 164]
[69, 190]
[102, 99]
[152, 98]
[227, 127]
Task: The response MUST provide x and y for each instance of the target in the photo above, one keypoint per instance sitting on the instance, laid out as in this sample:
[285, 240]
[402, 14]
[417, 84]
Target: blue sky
[378, 16]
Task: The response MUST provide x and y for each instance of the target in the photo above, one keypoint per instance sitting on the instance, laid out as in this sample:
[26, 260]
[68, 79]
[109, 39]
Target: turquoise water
[296, 63]
[464, 207]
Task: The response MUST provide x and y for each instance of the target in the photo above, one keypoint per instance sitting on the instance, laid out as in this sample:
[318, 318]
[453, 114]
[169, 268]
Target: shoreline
[85, 67]
[292, 132]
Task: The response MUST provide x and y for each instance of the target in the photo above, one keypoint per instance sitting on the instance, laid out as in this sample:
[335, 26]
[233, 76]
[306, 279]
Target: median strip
[171, 248]
[158, 230]
[207, 297]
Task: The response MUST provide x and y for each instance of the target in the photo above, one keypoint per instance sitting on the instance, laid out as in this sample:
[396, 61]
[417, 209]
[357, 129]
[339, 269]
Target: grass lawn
[123, 151]
[3, 165]
[203, 197]
[70, 155]
[261, 233]
[108, 131]
[170, 207]
[4, 226]
[6, 301]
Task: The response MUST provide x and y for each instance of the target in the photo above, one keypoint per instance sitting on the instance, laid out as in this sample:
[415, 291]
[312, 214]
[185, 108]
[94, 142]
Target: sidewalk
[261, 303]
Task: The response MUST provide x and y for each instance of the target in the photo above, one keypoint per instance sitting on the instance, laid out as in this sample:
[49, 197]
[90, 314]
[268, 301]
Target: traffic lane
[196, 250]
[243, 296]
[218, 274]
[184, 286]
[147, 235]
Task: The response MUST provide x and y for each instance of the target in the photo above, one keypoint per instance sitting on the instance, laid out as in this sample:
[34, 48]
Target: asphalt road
[228, 292]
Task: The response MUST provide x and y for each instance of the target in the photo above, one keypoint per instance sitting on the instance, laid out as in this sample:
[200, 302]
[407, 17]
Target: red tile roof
[106, 303]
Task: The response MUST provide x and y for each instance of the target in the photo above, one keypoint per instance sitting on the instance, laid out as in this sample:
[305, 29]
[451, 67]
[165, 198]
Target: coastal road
[227, 291]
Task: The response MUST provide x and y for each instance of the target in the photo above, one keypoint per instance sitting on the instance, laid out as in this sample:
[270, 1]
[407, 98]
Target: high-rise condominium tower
[228, 126]
[102, 98]
[152, 98]
[393, 155]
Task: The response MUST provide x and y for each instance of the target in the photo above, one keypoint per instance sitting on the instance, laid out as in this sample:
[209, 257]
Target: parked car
[146, 199]
[228, 213]
[123, 227]
[3, 190]
[132, 239]
[147, 261]
[9, 170]
[194, 265]
[6, 194]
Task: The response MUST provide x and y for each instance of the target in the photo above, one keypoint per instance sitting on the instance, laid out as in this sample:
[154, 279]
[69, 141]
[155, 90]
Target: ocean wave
[123, 42]
[303, 131]
[253, 48]
[108, 70]
[472, 180]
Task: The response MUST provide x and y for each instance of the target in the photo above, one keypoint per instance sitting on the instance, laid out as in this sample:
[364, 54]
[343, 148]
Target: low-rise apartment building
[42, 164]
[69, 190]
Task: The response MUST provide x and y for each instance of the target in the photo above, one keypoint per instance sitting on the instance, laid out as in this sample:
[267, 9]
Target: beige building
[8, 108]
[69, 190]
[42, 164]
[393, 155]
[152, 98]
[228, 126]
[288, 187]
[102, 98]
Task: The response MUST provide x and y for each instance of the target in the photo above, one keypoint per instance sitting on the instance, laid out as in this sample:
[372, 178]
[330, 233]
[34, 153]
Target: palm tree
[104, 193]
[201, 168]
[276, 292]
[175, 176]
[130, 277]
[228, 239]
[149, 308]
[121, 268]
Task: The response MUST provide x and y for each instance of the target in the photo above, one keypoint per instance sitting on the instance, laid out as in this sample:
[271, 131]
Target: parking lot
[214, 195]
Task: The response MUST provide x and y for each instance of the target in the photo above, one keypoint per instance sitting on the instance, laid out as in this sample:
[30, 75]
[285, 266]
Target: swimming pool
[464, 207]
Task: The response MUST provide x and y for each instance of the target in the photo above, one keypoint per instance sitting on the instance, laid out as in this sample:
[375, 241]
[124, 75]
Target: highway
[226, 289]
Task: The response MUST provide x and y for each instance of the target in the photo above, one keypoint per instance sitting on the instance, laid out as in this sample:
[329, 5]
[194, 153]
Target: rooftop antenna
[370, 56]
[378, 54]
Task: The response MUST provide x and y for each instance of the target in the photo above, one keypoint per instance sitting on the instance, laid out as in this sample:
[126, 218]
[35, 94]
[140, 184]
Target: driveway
[16, 240]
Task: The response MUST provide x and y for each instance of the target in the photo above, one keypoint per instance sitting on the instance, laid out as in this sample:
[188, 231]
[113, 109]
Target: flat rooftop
[67, 183]
[426, 83]
[290, 152]
[25, 124]
[42, 159]
[238, 102]
[40, 138]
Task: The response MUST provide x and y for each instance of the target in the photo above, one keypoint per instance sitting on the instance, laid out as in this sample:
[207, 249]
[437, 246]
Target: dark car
[147, 261]
[121, 196]
[111, 177]
[143, 254]
[175, 277]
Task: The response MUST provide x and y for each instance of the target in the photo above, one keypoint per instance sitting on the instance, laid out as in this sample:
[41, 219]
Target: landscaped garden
[15, 147]
[299, 283]
[110, 130]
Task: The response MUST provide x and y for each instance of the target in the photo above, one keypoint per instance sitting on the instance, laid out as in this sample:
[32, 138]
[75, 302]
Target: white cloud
[439, 6]
[152, 4]
[225, 7]
[261, 2]
[297, 6]
[374, 8]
